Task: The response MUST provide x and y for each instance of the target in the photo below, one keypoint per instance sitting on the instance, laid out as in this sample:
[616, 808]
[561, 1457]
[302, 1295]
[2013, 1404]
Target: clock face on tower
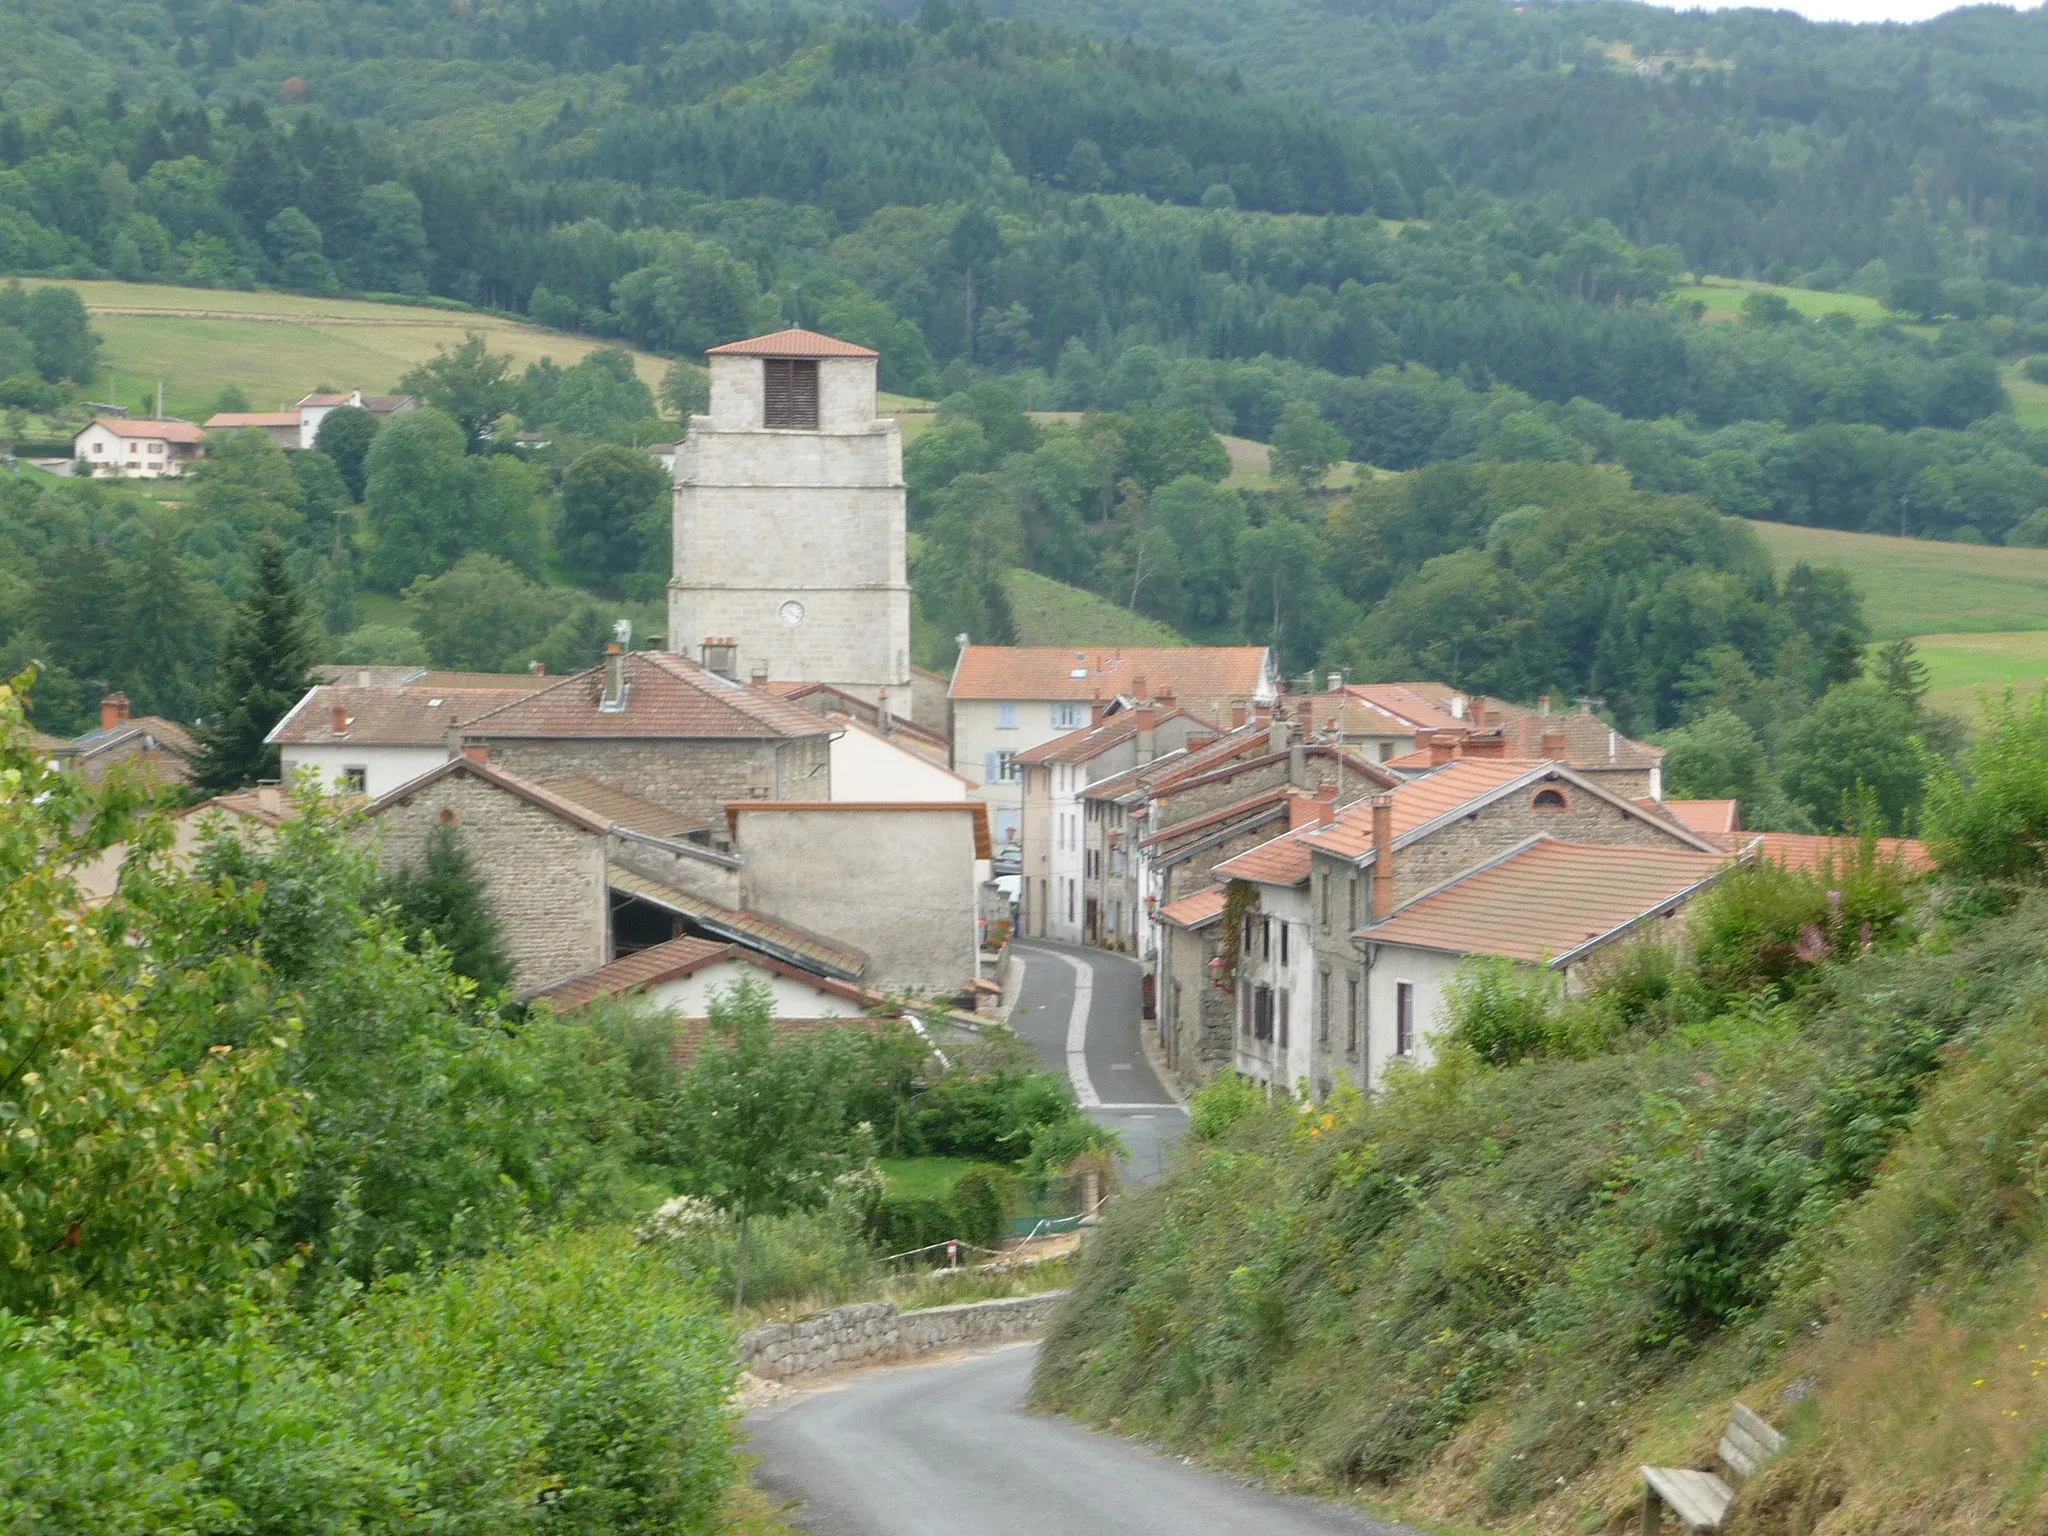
[791, 613]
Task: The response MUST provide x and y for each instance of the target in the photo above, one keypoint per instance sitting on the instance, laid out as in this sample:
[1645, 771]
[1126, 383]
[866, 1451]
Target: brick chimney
[1095, 711]
[1491, 744]
[113, 711]
[537, 668]
[1169, 701]
[1308, 810]
[1139, 690]
[1383, 857]
[614, 699]
[1237, 714]
[1443, 746]
[1308, 718]
[339, 724]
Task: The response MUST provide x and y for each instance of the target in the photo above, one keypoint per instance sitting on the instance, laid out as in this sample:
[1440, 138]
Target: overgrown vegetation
[1500, 1284]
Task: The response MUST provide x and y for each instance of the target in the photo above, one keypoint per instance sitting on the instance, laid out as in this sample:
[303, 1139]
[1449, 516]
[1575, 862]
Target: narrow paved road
[1079, 1009]
[946, 1450]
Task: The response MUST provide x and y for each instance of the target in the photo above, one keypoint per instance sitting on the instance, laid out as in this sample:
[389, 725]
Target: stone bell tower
[789, 522]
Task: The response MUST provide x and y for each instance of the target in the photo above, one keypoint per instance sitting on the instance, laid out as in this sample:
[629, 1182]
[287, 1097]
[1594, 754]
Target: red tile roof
[1806, 853]
[1548, 900]
[1411, 706]
[670, 962]
[667, 696]
[735, 809]
[792, 343]
[326, 400]
[1195, 675]
[228, 421]
[142, 426]
[412, 714]
[1196, 911]
[1416, 803]
[1709, 818]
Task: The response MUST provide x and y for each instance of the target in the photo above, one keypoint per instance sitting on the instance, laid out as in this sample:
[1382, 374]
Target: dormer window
[789, 397]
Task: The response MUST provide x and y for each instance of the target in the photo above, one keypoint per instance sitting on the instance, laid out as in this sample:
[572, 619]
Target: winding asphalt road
[1079, 1009]
[947, 1450]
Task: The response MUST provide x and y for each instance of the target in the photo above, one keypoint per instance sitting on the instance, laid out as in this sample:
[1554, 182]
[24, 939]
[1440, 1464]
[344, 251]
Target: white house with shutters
[142, 448]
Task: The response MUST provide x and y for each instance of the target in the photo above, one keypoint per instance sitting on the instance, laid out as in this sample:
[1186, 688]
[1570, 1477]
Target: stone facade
[693, 777]
[876, 1332]
[1197, 1018]
[544, 876]
[793, 542]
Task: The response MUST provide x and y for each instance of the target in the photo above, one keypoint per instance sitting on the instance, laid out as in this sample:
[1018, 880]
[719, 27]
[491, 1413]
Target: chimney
[1458, 706]
[1443, 746]
[477, 752]
[1095, 711]
[1169, 700]
[758, 674]
[1147, 718]
[1139, 690]
[1585, 706]
[1237, 714]
[1308, 718]
[1297, 762]
[614, 699]
[113, 711]
[885, 718]
[1336, 681]
[1543, 704]
[537, 668]
[1483, 744]
[1305, 810]
[1326, 800]
[270, 797]
[1200, 739]
[1553, 744]
[340, 721]
[1383, 857]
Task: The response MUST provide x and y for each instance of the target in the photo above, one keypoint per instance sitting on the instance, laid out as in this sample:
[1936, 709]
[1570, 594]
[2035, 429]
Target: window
[1323, 885]
[789, 396]
[1265, 938]
[1283, 943]
[1006, 717]
[1351, 902]
[1323, 1008]
[1550, 800]
[1351, 1016]
[1070, 901]
[1404, 1017]
[1000, 768]
[1259, 1002]
[1280, 1018]
[355, 781]
[1068, 717]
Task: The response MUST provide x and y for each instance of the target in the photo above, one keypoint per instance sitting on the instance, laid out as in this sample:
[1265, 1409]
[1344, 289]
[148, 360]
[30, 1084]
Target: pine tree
[445, 900]
[264, 671]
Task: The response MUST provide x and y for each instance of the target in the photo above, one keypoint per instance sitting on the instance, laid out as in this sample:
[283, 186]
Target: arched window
[1550, 800]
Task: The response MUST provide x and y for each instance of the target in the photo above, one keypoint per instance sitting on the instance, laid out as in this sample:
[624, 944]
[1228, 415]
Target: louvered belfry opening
[790, 398]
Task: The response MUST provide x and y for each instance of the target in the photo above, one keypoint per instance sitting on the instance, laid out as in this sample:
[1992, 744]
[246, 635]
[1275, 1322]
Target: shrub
[1503, 1011]
[819, 1256]
[1221, 1102]
[576, 1378]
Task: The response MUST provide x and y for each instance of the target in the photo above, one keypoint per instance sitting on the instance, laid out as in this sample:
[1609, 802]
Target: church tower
[789, 522]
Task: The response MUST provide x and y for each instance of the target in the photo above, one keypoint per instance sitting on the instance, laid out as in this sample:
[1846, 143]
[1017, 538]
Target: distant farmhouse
[156, 448]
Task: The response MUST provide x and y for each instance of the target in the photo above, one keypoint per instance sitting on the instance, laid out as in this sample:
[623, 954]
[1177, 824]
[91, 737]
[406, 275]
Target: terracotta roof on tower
[792, 343]
[667, 696]
[1194, 674]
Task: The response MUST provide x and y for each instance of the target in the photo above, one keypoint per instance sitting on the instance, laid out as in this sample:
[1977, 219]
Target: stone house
[1582, 741]
[1008, 699]
[368, 738]
[159, 750]
[667, 730]
[683, 975]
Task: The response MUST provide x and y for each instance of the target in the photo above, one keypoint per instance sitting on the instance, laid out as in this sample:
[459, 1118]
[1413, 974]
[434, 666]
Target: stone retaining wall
[875, 1332]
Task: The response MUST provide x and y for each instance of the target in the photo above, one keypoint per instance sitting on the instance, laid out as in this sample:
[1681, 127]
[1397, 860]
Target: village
[1298, 867]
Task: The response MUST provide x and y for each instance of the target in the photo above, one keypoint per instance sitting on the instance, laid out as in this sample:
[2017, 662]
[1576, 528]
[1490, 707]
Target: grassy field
[1922, 586]
[1049, 612]
[1962, 670]
[2029, 400]
[1723, 298]
[280, 346]
[925, 1178]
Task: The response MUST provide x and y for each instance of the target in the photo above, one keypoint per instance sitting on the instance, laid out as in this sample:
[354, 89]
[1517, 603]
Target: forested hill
[1752, 139]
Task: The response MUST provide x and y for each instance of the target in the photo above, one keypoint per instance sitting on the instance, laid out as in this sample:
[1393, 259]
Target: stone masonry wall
[545, 877]
[1453, 849]
[693, 777]
[1187, 804]
[876, 1332]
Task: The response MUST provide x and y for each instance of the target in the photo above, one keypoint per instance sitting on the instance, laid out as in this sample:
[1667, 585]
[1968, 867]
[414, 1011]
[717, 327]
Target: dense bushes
[576, 1378]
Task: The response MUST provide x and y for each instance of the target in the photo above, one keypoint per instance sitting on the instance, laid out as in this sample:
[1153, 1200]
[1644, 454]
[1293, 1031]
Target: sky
[1836, 10]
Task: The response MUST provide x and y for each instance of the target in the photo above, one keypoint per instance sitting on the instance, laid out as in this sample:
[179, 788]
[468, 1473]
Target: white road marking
[1077, 1035]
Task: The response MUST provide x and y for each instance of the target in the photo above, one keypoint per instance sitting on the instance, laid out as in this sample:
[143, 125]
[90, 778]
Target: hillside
[1924, 586]
[279, 346]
